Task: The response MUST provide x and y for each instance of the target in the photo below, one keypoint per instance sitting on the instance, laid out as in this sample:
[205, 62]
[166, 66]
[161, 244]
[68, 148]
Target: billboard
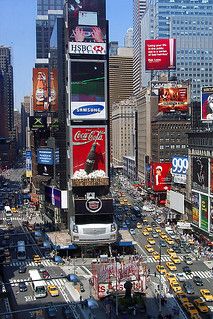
[89, 160]
[88, 90]
[29, 164]
[173, 99]
[204, 212]
[200, 174]
[45, 170]
[94, 206]
[207, 104]
[37, 123]
[195, 208]
[54, 90]
[45, 156]
[87, 26]
[160, 54]
[176, 201]
[179, 169]
[40, 89]
[161, 176]
[56, 197]
[211, 176]
[211, 214]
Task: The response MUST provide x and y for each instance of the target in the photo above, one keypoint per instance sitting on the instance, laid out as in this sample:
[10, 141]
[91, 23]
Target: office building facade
[128, 39]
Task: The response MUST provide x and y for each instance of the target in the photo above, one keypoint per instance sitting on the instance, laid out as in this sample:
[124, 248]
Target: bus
[38, 284]
[7, 211]
[21, 250]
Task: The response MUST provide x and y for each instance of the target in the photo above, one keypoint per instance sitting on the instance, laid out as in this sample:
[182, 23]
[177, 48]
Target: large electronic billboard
[54, 90]
[89, 155]
[179, 169]
[211, 176]
[88, 90]
[40, 89]
[45, 156]
[207, 104]
[161, 176]
[204, 221]
[87, 26]
[173, 99]
[160, 54]
[200, 170]
[195, 208]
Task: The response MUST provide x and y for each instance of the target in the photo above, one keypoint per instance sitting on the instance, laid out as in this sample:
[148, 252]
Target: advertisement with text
[195, 208]
[161, 176]
[87, 26]
[89, 160]
[88, 90]
[211, 214]
[204, 212]
[180, 166]
[173, 99]
[54, 90]
[211, 176]
[207, 104]
[160, 54]
[40, 89]
[200, 179]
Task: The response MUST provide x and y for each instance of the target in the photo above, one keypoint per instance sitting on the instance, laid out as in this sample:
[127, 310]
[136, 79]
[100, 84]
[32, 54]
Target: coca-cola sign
[93, 205]
[89, 152]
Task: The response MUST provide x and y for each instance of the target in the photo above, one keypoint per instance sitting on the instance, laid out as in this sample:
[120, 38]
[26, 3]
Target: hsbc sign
[87, 48]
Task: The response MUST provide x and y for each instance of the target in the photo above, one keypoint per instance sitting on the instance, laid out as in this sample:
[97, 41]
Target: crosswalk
[13, 218]
[27, 263]
[164, 258]
[205, 274]
[59, 282]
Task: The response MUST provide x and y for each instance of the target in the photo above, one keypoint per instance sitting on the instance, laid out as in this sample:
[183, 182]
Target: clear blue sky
[17, 30]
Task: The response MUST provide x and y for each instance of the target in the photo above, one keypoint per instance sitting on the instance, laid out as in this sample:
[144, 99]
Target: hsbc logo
[87, 48]
[93, 205]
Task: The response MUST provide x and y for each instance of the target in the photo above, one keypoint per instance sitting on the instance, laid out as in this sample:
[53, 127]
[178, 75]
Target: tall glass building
[47, 12]
[191, 24]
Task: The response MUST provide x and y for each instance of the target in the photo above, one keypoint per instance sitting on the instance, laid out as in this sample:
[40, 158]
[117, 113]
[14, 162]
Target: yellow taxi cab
[53, 290]
[139, 225]
[171, 266]
[169, 241]
[125, 200]
[190, 308]
[170, 277]
[163, 235]
[149, 248]
[37, 259]
[158, 230]
[121, 202]
[175, 286]
[206, 294]
[195, 316]
[156, 255]
[151, 241]
[145, 232]
[145, 220]
[182, 297]
[14, 210]
[149, 228]
[201, 306]
[171, 252]
[175, 259]
[161, 269]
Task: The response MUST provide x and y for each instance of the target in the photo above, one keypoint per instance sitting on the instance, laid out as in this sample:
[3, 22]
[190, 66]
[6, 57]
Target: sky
[17, 30]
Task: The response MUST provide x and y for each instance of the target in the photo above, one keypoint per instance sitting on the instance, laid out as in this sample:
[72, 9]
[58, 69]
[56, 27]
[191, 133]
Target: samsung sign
[87, 48]
[88, 111]
[45, 156]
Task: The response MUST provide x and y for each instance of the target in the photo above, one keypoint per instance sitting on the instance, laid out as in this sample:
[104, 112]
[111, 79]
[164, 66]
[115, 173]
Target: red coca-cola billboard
[161, 176]
[89, 153]
[160, 54]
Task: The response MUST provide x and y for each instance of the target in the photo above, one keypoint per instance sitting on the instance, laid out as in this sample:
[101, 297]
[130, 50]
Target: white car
[148, 208]
[132, 231]
[181, 276]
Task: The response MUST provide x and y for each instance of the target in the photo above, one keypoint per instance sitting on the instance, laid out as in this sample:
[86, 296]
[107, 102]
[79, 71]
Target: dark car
[67, 312]
[41, 268]
[187, 249]
[162, 243]
[22, 286]
[153, 224]
[45, 274]
[187, 270]
[188, 288]
[22, 269]
[177, 249]
[198, 281]
[82, 287]
[51, 312]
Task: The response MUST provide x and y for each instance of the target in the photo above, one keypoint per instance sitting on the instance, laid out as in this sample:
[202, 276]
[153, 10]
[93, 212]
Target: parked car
[188, 288]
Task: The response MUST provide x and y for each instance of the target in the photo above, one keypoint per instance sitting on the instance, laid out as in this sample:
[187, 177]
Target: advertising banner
[54, 90]
[40, 89]
[37, 123]
[204, 212]
[56, 197]
[94, 206]
[179, 169]
[160, 54]
[200, 174]
[87, 26]
[29, 164]
[161, 176]
[211, 214]
[45, 156]
[211, 176]
[173, 99]
[88, 90]
[207, 104]
[195, 208]
[45, 170]
[89, 160]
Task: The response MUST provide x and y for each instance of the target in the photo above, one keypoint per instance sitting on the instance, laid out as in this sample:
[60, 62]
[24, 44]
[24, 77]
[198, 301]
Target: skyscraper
[191, 24]
[128, 39]
[7, 98]
[47, 12]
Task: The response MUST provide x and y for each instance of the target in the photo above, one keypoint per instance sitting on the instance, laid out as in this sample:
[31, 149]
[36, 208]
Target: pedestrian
[80, 298]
